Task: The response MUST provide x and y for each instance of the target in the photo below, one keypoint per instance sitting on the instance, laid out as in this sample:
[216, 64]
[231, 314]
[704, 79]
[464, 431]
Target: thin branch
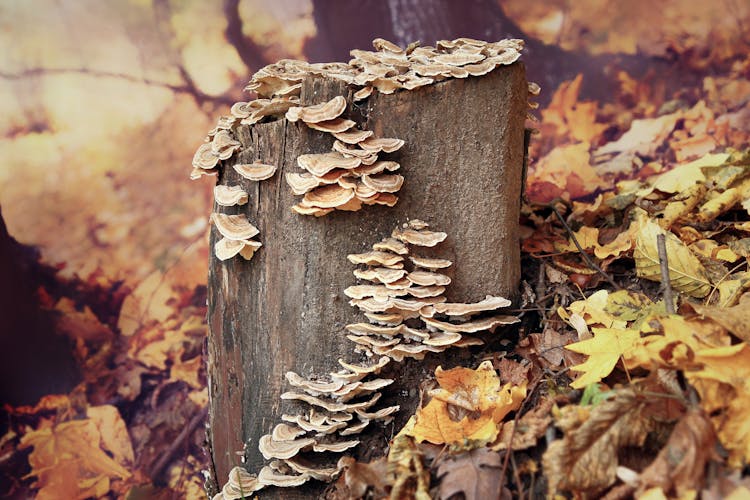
[179, 441]
[593, 265]
[666, 284]
[186, 88]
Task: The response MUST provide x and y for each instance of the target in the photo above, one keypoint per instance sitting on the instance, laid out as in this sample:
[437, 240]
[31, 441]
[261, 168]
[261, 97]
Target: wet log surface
[286, 310]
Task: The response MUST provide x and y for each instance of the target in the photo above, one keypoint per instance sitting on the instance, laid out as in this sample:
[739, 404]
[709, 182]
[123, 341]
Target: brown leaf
[585, 459]
[528, 429]
[358, 477]
[476, 474]
[735, 319]
[513, 372]
[679, 467]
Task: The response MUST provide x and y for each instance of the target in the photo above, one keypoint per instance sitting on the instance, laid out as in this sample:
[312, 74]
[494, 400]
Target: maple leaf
[603, 350]
[483, 401]
[585, 459]
[69, 461]
[686, 273]
[475, 473]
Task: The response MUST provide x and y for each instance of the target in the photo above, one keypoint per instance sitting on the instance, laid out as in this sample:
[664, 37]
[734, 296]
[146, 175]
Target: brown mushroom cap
[470, 326]
[251, 246]
[374, 258]
[353, 136]
[240, 484]
[205, 157]
[380, 274]
[225, 248]
[337, 125]
[362, 291]
[391, 245]
[269, 477]
[363, 93]
[227, 196]
[383, 183]
[270, 448]
[490, 303]
[312, 387]
[286, 432]
[319, 112]
[330, 196]
[354, 429]
[234, 227]
[322, 163]
[430, 263]
[387, 199]
[385, 144]
[336, 447]
[301, 466]
[383, 45]
[419, 238]
[428, 278]
[255, 171]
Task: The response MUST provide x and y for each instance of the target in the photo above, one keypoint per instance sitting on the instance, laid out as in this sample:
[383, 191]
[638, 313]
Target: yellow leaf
[730, 366]
[684, 176]
[477, 398]
[686, 273]
[593, 310]
[68, 460]
[114, 433]
[604, 350]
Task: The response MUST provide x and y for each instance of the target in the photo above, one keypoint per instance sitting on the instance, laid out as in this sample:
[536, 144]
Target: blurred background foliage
[104, 244]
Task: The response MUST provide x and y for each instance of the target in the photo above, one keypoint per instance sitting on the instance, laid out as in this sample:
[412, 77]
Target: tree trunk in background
[285, 309]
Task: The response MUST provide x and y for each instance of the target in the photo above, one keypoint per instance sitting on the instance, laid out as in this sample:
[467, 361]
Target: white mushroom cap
[389, 319]
[380, 274]
[228, 196]
[269, 477]
[225, 248]
[380, 291]
[312, 387]
[304, 467]
[375, 168]
[442, 339]
[353, 136]
[240, 484]
[255, 171]
[322, 163]
[330, 405]
[377, 415]
[470, 326]
[286, 432]
[354, 429]
[363, 93]
[234, 227]
[430, 263]
[391, 245]
[383, 183]
[331, 196]
[204, 157]
[419, 238]
[270, 448]
[336, 447]
[428, 278]
[374, 258]
[385, 144]
[319, 112]
[490, 303]
[337, 125]
[422, 292]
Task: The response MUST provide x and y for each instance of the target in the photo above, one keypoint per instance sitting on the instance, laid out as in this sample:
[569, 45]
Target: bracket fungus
[229, 196]
[255, 171]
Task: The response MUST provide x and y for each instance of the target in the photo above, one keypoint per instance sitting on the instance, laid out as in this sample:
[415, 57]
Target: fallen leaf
[481, 403]
[604, 351]
[735, 319]
[114, 434]
[584, 460]
[475, 474]
[679, 468]
[686, 273]
[405, 470]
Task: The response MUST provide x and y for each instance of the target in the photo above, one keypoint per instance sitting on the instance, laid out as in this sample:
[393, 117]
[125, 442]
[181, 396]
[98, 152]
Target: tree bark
[285, 309]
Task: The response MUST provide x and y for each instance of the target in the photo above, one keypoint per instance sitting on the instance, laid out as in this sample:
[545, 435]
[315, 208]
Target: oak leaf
[686, 273]
[476, 397]
[475, 474]
[603, 350]
[585, 459]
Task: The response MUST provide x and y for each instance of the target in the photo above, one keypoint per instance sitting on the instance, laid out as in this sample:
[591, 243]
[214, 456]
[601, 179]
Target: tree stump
[285, 309]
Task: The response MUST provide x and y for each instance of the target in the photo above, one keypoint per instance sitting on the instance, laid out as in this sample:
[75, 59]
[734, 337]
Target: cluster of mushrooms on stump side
[349, 162]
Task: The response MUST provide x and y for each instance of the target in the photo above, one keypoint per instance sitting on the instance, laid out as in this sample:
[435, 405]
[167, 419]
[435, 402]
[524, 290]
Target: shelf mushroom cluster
[335, 411]
[349, 176]
[407, 313]
[236, 230]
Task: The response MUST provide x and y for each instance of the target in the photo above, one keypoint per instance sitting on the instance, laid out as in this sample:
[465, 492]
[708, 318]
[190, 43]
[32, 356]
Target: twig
[661, 247]
[593, 265]
[166, 457]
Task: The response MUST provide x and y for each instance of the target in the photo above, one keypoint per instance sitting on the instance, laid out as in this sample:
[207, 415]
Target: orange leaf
[476, 397]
